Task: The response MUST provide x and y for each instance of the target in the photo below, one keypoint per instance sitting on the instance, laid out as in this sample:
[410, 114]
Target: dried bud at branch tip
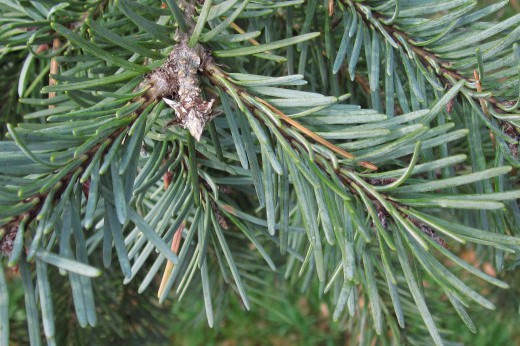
[177, 83]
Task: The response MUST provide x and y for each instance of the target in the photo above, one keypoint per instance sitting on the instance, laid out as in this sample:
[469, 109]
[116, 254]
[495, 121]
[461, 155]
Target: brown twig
[483, 104]
[363, 83]
[56, 44]
[241, 31]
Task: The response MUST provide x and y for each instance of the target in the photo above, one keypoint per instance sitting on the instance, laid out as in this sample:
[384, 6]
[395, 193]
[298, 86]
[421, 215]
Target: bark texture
[177, 83]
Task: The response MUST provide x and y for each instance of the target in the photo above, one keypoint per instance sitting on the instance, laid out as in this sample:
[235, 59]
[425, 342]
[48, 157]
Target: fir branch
[177, 76]
[311, 202]
[9, 229]
[443, 69]
[217, 76]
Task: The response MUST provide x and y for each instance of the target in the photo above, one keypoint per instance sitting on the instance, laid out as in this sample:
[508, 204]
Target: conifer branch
[442, 69]
[215, 74]
[8, 230]
[279, 168]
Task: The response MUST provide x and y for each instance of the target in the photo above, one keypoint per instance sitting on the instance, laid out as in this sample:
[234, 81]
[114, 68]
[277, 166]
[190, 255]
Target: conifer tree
[207, 149]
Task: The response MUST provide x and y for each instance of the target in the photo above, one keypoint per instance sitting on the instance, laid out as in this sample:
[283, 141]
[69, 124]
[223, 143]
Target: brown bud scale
[177, 83]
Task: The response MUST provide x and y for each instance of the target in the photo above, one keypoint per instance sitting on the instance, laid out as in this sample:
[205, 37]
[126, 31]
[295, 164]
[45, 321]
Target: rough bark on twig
[177, 82]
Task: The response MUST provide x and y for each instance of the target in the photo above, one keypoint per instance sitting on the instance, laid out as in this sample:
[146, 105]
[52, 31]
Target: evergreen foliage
[355, 146]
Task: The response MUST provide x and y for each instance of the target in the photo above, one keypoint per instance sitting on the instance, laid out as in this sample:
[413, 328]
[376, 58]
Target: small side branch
[442, 69]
